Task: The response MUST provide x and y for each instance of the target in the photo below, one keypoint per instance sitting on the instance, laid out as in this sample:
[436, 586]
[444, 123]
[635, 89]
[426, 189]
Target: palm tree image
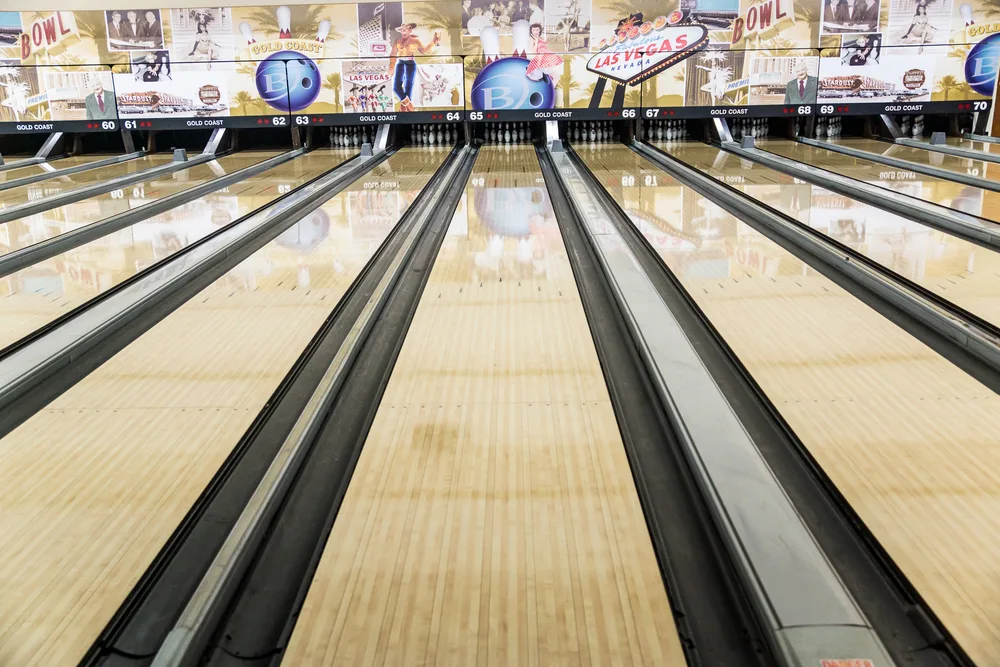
[249, 105]
[568, 85]
[440, 17]
[948, 84]
[335, 83]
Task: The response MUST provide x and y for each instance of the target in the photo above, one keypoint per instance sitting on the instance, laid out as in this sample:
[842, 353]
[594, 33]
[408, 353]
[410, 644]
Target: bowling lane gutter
[968, 153]
[797, 530]
[68, 171]
[716, 624]
[39, 367]
[963, 332]
[54, 201]
[39, 252]
[231, 581]
[969, 227]
[981, 137]
[927, 170]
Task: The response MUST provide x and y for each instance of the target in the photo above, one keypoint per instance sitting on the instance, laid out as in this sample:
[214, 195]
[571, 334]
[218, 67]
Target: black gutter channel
[262, 617]
[146, 617]
[731, 199]
[713, 617]
[43, 250]
[904, 622]
[40, 395]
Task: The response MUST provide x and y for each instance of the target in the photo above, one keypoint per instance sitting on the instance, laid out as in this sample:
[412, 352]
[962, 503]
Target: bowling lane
[492, 517]
[959, 165]
[45, 225]
[940, 191]
[47, 167]
[38, 294]
[972, 145]
[909, 439]
[126, 451]
[952, 268]
[36, 191]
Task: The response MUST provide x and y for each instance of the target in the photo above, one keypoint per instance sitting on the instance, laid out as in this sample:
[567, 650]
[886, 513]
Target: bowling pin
[322, 31]
[284, 16]
[506, 133]
[247, 33]
[521, 32]
[490, 39]
[440, 134]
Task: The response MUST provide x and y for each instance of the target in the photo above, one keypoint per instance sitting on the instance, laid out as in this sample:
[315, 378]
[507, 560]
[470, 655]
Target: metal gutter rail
[968, 153]
[975, 336]
[79, 194]
[928, 170]
[189, 637]
[804, 608]
[38, 252]
[33, 364]
[58, 173]
[960, 224]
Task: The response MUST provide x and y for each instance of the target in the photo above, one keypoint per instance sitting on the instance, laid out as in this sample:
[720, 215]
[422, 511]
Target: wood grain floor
[936, 190]
[36, 295]
[35, 191]
[962, 272]
[36, 169]
[922, 156]
[492, 518]
[48, 224]
[94, 484]
[910, 440]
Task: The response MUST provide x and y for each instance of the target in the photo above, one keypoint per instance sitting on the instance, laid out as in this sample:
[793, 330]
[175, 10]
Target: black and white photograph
[201, 35]
[861, 50]
[501, 14]
[918, 22]
[850, 16]
[567, 25]
[151, 66]
[134, 29]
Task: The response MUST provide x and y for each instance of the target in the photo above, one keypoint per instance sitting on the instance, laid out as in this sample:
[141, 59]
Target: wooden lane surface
[959, 271]
[36, 191]
[923, 156]
[492, 518]
[45, 225]
[36, 295]
[936, 190]
[36, 169]
[910, 440]
[94, 484]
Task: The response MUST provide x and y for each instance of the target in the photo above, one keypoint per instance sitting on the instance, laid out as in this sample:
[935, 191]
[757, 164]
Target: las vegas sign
[637, 52]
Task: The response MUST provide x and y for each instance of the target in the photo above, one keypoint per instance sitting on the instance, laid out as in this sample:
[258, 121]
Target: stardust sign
[638, 52]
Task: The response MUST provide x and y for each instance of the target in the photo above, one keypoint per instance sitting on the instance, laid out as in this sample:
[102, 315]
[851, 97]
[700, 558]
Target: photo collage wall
[211, 62]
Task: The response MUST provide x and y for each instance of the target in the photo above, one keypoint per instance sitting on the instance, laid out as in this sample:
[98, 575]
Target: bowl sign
[638, 54]
[914, 78]
[209, 94]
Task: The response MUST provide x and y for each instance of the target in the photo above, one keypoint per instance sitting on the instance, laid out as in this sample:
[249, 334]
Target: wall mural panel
[323, 64]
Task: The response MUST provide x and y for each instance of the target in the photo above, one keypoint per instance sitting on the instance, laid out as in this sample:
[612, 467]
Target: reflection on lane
[45, 225]
[40, 293]
[47, 167]
[129, 448]
[494, 461]
[959, 165]
[55, 186]
[957, 196]
[909, 439]
[954, 269]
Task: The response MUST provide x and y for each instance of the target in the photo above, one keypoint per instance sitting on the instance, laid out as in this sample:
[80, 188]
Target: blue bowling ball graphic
[288, 81]
[503, 84]
[981, 65]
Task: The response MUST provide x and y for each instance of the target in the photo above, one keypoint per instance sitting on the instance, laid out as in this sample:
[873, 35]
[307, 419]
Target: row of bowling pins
[436, 133]
[350, 135]
[664, 130]
[828, 127]
[749, 127]
[507, 133]
[597, 131]
[916, 128]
